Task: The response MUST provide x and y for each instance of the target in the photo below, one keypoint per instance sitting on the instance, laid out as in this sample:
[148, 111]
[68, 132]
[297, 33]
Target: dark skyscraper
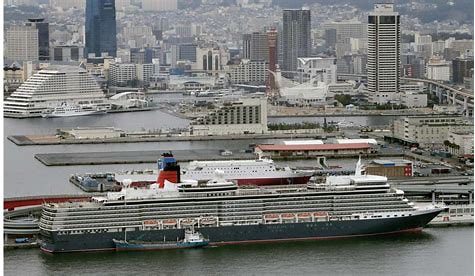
[296, 37]
[246, 46]
[100, 28]
[43, 36]
[461, 69]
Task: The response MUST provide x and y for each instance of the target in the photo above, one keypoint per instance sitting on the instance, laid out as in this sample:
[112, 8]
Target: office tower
[246, 46]
[22, 43]
[296, 39]
[330, 38]
[461, 68]
[341, 34]
[43, 36]
[272, 43]
[100, 28]
[67, 53]
[384, 47]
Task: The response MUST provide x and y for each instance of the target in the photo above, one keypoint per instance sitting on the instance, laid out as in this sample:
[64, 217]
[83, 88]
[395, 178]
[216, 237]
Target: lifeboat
[271, 217]
[288, 216]
[207, 221]
[304, 216]
[187, 222]
[150, 222]
[320, 214]
[169, 222]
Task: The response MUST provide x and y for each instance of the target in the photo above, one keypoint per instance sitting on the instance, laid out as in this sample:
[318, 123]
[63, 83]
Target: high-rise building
[339, 35]
[438, 69]
[461, 69]
[259, 48]
[330, 37]
[246, 46]
[22, 43]
[187, 52]
[67, 53]
[255, 46]
[384, 58]
[101, 33]
[272, 43]
[296, 39]
[43, 36]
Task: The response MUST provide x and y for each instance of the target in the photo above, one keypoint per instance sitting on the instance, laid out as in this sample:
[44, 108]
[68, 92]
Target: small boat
[192, 239]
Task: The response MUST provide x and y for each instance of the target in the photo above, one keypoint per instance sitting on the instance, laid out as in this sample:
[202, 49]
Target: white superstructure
[260, 171]
[66, 110]
[51, 87]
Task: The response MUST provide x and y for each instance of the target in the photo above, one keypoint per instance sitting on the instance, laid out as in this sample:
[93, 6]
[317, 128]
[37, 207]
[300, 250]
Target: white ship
[66, 110]
[244, 172]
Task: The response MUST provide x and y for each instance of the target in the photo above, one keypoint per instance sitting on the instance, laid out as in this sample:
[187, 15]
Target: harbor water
[435, 251]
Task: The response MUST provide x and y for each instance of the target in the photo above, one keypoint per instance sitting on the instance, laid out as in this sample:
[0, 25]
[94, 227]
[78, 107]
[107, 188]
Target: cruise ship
[66, 110]
[52, 86]
[343, 206]
[244, 172]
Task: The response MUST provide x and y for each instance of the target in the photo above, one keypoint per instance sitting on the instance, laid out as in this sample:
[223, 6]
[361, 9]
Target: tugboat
[192, 239]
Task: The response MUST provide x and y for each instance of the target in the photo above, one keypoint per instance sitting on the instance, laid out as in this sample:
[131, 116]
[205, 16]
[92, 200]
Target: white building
[22, 43]
[198, 82]
[51, 87]
[305, 94]
[122, 73]
[438, 69]
[211, 59]
[317, 68]
[384, 57]
[245, 116]
[144, 72]
[430, 130]
[249, 72]
[159, 5]
[413, 99]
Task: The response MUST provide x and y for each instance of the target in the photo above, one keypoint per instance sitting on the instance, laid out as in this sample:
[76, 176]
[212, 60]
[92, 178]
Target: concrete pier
[134, 157]
[36, 140]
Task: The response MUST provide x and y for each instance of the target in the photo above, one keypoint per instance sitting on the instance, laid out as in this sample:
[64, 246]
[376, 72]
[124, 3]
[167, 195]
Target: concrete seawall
[151, 156]
[30, 140]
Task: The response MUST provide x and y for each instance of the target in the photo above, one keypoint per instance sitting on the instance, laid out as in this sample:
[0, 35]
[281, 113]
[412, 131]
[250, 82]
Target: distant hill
[461, 10]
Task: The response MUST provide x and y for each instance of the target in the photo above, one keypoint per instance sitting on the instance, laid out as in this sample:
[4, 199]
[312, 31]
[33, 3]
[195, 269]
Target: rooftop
[315, 147]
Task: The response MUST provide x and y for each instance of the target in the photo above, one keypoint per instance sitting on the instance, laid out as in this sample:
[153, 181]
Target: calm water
[436, 251]
[24, 175]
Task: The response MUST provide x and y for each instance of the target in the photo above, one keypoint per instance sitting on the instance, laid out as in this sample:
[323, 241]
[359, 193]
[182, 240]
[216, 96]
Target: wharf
[134, 157]
[36, 140]
[149, 108]
[151, 156]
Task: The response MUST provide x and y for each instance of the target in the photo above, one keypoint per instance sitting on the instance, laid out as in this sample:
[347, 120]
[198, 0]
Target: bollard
[433, 197]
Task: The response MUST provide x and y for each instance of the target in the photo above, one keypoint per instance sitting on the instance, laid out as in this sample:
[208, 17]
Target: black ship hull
[55, 243]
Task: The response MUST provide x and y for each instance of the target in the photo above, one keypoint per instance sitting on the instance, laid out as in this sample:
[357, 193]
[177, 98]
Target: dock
[38, 140]
[135, 157]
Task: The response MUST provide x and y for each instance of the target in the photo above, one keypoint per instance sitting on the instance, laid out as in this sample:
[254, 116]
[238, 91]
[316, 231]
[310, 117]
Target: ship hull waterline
[258, 233]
